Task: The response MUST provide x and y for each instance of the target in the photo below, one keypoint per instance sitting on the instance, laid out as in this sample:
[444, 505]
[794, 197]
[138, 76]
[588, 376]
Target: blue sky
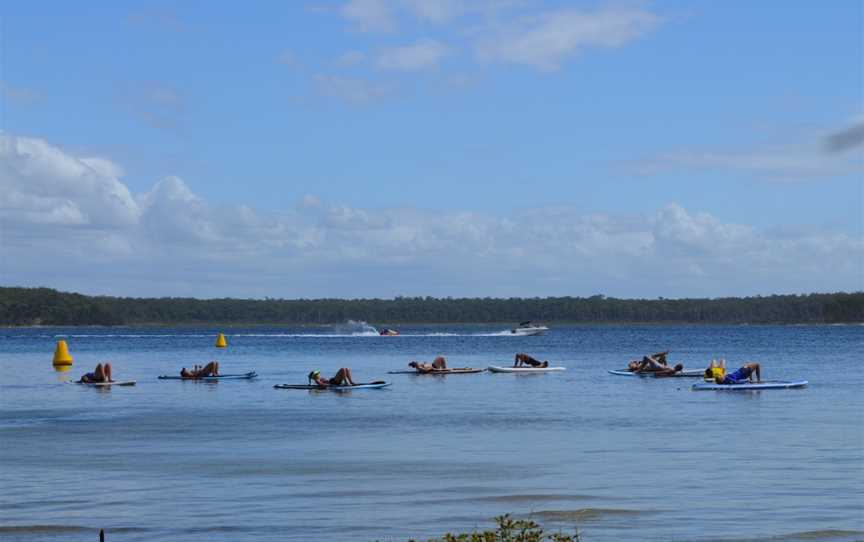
[414, 147]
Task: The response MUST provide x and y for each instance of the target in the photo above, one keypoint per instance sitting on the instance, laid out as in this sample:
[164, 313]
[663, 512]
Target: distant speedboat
[387, 332]
[527, 328]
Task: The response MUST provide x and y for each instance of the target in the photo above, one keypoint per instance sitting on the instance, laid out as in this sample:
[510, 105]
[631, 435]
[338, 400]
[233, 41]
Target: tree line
[46, 306]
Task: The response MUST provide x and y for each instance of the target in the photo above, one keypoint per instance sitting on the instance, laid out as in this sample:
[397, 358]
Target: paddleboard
[684, 373]
[496, 369]
[242, 376]
[361, 386]
[104, 384]
[765, 385]
[454, 371]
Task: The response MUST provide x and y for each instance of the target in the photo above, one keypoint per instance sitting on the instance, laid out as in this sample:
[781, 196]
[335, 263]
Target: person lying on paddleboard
[523, 359]
[102, 373]
[341, 378]
[739, 376]
[654, 362]
[438, 364]
[211, 369]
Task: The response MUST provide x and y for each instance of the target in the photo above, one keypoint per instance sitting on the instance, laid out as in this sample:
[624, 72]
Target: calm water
[622, 458]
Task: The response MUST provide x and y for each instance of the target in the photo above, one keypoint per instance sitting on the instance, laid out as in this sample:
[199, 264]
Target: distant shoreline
[26, 307]
[504, 325]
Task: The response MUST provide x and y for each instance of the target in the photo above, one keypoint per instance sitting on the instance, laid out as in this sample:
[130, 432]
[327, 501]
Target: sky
[377, 148]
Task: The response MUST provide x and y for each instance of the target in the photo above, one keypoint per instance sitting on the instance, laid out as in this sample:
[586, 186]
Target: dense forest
[45, 306]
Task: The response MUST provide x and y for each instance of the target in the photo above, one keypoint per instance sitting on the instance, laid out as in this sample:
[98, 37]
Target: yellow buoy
[61, 355]
[62, 368]
[221, 342]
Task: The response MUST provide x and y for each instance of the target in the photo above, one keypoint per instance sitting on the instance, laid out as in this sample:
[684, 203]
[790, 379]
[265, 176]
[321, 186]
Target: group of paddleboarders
[102, 373]
[658, 365]
[439, 364]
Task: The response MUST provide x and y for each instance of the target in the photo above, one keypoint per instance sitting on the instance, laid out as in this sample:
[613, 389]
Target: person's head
[413, 364]
[314, 375]
[709, 373]
[679, 367]
[546, 363]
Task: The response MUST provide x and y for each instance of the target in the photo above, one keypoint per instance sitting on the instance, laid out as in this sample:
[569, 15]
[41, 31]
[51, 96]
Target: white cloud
[369, 15]
[423, 54]
[171, 241]
[546, 40]
[41, 183]
[437, 11]
[782, 163]
[350, 58]
[385, 15]
[350, 89]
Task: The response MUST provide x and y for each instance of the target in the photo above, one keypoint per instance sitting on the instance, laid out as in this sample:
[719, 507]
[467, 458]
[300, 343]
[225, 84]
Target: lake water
[620, 458]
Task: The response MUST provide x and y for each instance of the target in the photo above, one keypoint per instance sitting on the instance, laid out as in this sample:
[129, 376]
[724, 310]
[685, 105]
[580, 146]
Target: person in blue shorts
[739, 376]
[101, 374]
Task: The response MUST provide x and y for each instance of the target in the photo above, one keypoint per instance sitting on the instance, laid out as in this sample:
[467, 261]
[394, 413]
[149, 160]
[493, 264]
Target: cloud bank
[545, 40]
[70, 222]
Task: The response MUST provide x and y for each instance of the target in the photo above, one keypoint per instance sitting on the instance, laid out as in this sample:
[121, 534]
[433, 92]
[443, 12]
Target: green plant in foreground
[510, 530]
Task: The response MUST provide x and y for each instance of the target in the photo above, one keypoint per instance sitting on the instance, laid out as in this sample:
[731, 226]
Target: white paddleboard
[684, 373]
[453, 371]
[243, 376]
[497, 369]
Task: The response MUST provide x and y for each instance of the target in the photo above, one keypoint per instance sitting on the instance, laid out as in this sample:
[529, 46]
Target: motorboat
[387, 332]
[527, 328]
